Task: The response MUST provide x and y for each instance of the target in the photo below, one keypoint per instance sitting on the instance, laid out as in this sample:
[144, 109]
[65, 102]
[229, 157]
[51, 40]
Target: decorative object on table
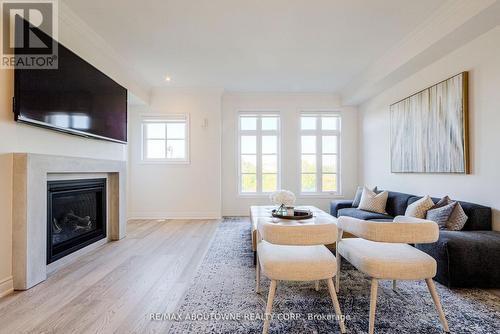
[429, 130]
[283, 198]
[297, 215]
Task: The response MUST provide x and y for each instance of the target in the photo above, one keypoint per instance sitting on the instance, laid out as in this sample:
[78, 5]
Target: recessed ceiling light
[167, 78]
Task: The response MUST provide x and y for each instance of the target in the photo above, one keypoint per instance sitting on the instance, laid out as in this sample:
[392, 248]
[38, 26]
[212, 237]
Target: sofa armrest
[439, 251]
[336, 205]
[466, 258]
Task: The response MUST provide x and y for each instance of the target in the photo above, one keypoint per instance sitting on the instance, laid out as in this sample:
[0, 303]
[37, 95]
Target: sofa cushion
[361, 214]
[441, 215]
[357, 197]
[458, 218]
[442, 202]
[479, 216]
[371, 201]
[397, 203]
[336, 205]
[419, 208]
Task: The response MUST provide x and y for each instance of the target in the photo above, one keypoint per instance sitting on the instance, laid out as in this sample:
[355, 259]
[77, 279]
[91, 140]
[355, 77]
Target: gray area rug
[222, 299]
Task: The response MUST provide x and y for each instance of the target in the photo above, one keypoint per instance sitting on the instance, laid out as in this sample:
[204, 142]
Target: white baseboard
[6, 286]
[175, 215]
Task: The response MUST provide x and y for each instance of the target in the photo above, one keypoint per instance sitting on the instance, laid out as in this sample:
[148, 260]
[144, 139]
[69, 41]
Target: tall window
[165, 139]
[320, 152]
[259, 150]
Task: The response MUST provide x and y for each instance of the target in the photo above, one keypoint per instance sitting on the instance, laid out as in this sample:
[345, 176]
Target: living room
[175, 128]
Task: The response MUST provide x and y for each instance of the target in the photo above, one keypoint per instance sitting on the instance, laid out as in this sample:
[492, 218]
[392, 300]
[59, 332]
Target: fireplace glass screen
[76, 215]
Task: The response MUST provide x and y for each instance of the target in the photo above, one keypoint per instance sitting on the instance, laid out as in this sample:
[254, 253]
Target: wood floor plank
[168, 301]
[115, 287]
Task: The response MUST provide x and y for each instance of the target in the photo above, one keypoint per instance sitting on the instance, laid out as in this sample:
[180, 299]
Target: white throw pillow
[419, 208]
[373, 202]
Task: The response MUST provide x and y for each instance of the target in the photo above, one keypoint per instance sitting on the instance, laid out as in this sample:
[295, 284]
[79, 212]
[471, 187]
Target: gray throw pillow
[357, 198]
[457, 219]
[441, 215]
[442, 202]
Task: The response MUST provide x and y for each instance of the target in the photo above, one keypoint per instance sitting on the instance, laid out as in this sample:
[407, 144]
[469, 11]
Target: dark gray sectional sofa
[467, 258]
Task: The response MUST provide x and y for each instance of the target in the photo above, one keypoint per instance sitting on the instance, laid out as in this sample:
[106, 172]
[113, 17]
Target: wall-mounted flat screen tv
[75, 98]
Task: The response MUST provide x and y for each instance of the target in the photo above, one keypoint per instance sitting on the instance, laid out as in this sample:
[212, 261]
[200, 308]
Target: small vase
[281, 210]
[290, 211]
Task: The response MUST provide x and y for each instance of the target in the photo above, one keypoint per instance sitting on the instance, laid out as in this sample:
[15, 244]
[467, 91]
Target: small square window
[165, 139]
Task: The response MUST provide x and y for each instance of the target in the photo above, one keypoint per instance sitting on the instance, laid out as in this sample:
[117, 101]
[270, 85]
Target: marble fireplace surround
[29, 223]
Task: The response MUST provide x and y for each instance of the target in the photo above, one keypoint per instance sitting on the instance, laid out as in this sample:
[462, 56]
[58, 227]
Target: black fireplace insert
[76, 215]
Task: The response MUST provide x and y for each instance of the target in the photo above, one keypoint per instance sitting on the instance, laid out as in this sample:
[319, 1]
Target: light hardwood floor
[115, 287]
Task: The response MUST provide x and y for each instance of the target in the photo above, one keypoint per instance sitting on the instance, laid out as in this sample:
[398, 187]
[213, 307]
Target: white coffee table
[264, 211]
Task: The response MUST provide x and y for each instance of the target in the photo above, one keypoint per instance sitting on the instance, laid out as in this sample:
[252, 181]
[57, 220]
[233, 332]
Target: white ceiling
[253, 45]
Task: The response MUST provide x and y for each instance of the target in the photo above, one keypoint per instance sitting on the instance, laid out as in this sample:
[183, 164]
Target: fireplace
[76, 215]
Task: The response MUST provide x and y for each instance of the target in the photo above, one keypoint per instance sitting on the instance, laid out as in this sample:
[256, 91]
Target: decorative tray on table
[298, 215]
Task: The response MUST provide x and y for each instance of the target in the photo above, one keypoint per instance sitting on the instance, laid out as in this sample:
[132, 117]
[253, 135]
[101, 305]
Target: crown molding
[454, 24]
[78, 36]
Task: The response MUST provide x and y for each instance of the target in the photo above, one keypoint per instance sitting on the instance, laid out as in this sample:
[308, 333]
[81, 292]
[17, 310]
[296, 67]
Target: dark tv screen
[76, 98]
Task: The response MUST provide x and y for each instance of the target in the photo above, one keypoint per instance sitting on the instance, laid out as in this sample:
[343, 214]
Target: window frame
[319, 133]
[258, 133]
[165, 119]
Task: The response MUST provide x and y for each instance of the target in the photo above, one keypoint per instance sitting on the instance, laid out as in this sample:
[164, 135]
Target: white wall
[207, 187]
[289, 106]
[481, 58]
[17, 137]
[185, 190]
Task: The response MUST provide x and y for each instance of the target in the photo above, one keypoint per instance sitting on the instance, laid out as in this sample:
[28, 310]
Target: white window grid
[319, 133]
[165, 119]
[258, 133]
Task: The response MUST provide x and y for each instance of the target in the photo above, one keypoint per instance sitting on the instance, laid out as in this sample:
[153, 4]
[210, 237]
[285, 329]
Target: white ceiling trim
[78, 36]
[443, 32]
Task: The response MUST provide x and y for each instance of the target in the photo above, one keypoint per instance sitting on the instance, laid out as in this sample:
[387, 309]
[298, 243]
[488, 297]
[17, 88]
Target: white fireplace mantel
[29, 226]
